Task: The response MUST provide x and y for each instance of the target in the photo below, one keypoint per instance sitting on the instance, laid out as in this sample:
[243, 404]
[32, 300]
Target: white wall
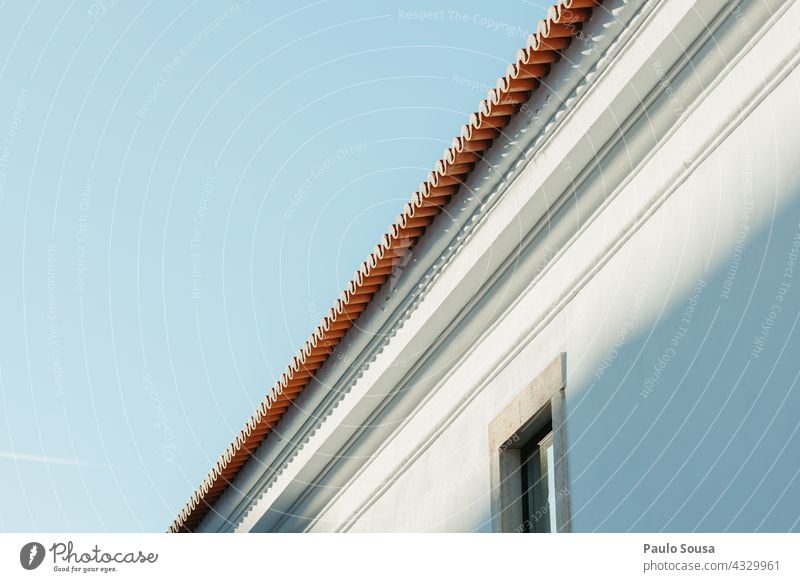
[714, 445]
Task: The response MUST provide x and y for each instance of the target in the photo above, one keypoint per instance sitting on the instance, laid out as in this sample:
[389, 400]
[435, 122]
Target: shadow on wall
[695, 426]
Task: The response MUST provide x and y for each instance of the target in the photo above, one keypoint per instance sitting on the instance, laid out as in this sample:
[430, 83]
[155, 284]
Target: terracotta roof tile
[522, 78]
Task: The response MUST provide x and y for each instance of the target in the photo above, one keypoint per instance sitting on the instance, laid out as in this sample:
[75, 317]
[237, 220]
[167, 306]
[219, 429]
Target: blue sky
[185, 188]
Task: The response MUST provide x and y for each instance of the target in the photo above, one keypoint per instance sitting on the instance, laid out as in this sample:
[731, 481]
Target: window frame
[540, 403]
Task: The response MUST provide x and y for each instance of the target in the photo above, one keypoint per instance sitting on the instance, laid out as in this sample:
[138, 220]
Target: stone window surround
[540, 402]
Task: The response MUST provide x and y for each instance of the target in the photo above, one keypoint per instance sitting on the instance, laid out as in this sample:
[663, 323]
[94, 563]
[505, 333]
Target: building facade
[594, 328]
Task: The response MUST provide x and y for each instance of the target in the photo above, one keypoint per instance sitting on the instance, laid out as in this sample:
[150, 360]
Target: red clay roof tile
[533, 62]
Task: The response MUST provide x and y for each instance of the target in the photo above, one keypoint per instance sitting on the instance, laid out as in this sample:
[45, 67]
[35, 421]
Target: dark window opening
[538, 486]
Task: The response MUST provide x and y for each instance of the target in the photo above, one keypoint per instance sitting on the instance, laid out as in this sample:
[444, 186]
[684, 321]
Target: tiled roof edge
[553, 34]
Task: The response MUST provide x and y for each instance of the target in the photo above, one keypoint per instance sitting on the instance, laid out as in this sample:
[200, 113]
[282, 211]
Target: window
[538, 484]
[528, 458]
